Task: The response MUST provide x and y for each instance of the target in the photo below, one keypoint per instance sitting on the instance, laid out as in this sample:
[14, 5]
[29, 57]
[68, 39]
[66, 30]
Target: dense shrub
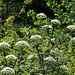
[45, 47]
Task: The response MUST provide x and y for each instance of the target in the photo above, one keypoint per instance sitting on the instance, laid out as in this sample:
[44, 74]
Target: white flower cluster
[4, 45]
[63, 67]
[11, 57]
[53, 39]
[50, 59]
[47, 26]
[71, 27]
[7, 71]
[32, 56]
[73, 40]
[55, 22]
[22, 44]
[41, 16]
[36, 37]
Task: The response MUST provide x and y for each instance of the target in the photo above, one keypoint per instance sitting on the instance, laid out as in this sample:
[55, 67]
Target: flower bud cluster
[47, 26]
[36, 37]
[4, 45]
[55, 23]
[73, 40]
[22, 44]
[7, 71]
[11, 57]
[71, 27]
[63, 67]
[50, 59]
[41, 16]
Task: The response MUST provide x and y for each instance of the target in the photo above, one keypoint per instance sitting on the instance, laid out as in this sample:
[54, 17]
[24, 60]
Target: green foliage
[31, 14]
[49, 53]
[63, 10]
[9, 21]
[43, 56]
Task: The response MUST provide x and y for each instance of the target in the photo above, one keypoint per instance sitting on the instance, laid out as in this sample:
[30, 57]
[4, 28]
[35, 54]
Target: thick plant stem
[38, 52]
[43, 64]
[58, 65]
[41, 59]
[5, 59]
[58, 71]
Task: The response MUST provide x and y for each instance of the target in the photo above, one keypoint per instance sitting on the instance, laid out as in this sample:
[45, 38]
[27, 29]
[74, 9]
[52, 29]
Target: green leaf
[66, 73]
[25, 73]
[48, 3]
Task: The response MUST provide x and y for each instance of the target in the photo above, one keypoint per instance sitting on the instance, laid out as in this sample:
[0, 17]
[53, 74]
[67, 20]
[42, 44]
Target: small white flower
[73, 39]
[11, 57]
[50, 59]
[32, 56]
[41, 16]
[64, 67]
[7, 71]
[53, 39]
[4, 45]
[47, 26]
[71, 27]
[54, 53]
[55, 22]
[22, 44]
[36, 37]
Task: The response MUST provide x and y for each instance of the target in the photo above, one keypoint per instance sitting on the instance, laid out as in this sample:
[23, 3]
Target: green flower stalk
[21, 45]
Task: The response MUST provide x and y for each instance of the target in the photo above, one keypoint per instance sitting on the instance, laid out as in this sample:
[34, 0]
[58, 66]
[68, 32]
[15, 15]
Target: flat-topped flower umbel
[41, 16]
[50, 59]
[47, 26]
[23, 44]
[73, 40]
[55, 23]
[63, 67]
[36, 37]
[11, 57]
[4, 45]
[71, 27]
[7, 71]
